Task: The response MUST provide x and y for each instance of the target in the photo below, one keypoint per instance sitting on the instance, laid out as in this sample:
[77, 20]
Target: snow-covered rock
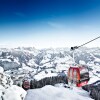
[1, 70]
[8, 91]
[14, 93]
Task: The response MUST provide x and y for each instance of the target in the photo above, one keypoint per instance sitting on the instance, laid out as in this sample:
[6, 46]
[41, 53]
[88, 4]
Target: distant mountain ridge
[14, 58]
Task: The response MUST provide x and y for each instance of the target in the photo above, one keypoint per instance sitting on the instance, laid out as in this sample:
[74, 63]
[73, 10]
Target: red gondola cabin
[78, 75]
[26, 84]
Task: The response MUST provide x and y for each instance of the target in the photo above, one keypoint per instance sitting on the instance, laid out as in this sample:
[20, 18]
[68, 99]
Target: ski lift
[26, 84]
[78, 75]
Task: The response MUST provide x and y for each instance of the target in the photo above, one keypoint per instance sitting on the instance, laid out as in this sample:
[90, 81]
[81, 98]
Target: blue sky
[49, 23]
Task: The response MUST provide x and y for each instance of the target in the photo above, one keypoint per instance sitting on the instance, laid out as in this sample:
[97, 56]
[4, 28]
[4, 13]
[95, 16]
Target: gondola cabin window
[84, 74]
[74, 75]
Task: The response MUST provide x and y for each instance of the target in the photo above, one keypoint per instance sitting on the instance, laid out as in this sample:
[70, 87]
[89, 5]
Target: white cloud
[55, 24]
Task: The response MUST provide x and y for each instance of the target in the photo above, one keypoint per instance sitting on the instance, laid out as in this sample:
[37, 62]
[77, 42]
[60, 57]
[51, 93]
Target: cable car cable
[89, 41]
[76, 47]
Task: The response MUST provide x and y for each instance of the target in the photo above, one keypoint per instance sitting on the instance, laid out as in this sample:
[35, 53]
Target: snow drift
[57, 93]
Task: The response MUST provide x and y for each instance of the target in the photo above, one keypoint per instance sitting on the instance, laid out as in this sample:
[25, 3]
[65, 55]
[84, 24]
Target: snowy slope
[21, 63]
[57, 93]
